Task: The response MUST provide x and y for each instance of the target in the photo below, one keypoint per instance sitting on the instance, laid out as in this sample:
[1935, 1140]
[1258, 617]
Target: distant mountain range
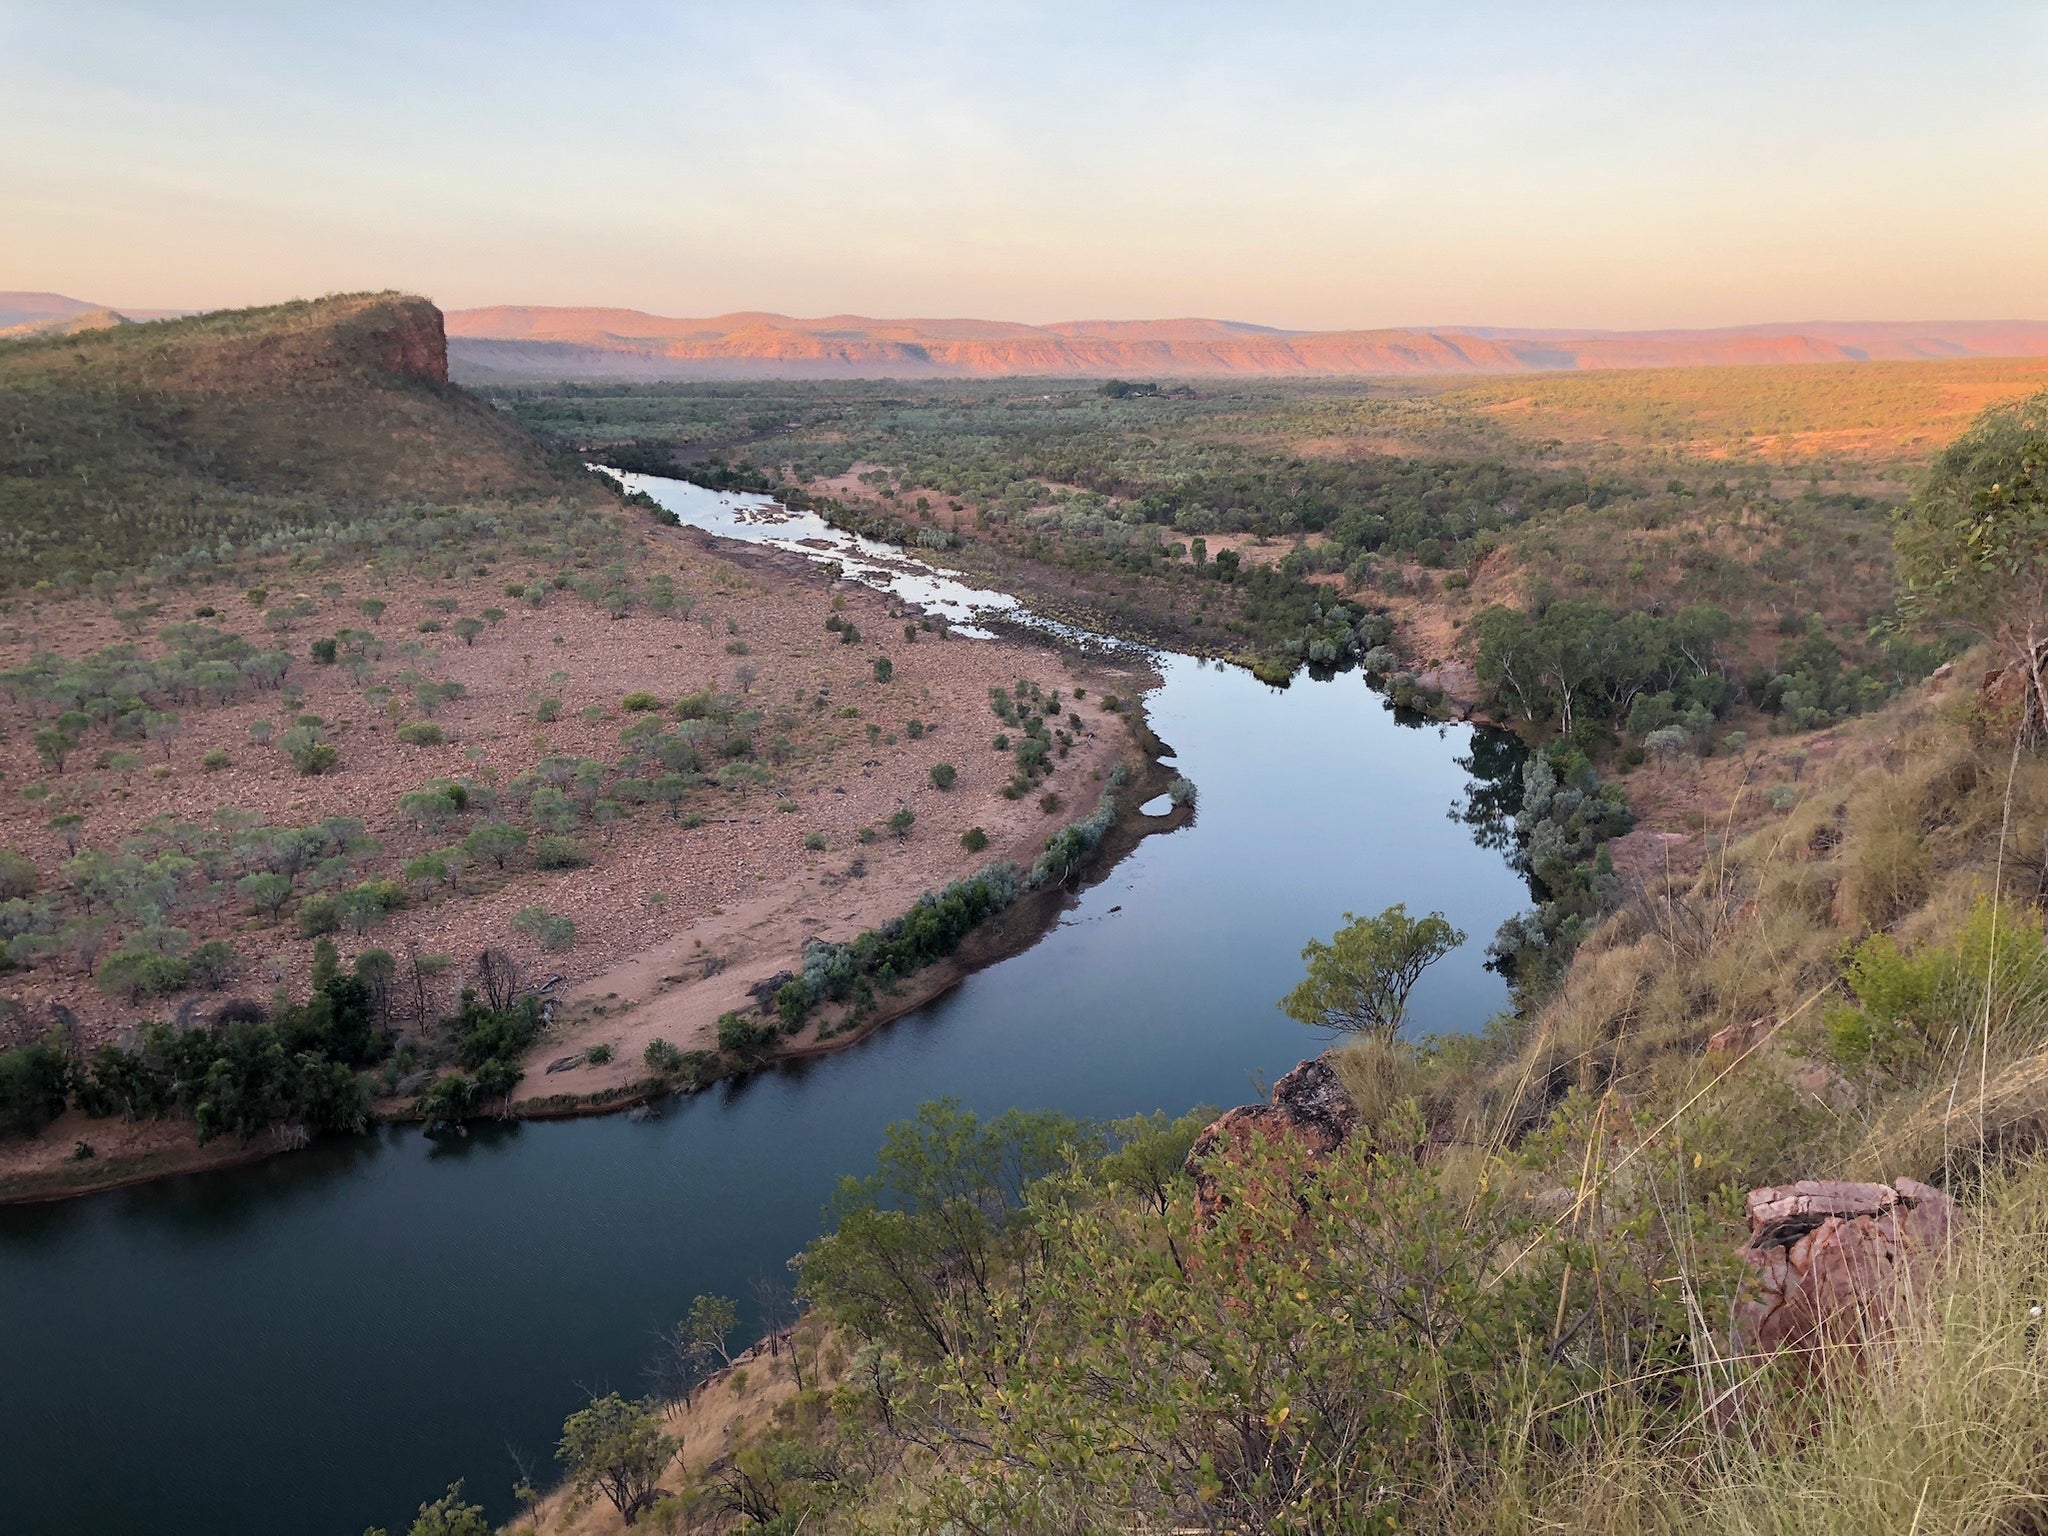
[513, 342]
[52, 314]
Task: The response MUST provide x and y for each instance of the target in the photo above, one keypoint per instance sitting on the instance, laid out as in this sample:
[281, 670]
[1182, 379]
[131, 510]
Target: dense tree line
[250, 1068]
[1581, 661]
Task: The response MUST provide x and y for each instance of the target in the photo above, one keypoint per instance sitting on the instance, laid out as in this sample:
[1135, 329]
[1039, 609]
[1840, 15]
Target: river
[320, 1342]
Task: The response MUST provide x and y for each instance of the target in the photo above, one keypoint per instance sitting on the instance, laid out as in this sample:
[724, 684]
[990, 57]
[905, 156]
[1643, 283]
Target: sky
[1654, 163]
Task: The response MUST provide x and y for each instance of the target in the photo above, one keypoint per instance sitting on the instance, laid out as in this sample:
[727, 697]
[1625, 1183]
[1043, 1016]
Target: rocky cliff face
[398, 334]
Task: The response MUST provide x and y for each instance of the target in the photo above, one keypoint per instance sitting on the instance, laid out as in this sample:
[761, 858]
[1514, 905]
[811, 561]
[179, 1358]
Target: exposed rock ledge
[1308, 1104]
[1832, 1260]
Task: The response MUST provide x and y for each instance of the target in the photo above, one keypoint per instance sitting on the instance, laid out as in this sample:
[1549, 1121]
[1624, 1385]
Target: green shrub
[815, 841]
[901, 822]
[548, 929]
[639, 703]
[553, 852]
[598, 1054]
[663, 1058]
[885, 669]
[943, 775]
[421, 733]
[974, 839]
[742, 1036]
[319, 914]
[137, 974]
[792, 1004]
[548, 711]
[34, 1080]
[216, 760]
[211, 965]
[309, 754]
[18, 875]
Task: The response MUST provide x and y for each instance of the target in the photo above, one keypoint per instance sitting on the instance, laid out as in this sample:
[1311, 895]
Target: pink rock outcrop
[1834, 1261]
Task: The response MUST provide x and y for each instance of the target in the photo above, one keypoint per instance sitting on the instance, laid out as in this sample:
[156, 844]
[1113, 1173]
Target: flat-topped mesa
[398, 334]
[1309, 1104]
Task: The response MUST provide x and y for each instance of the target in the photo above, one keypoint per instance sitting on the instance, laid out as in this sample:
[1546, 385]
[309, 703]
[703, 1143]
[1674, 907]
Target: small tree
[943, 775]
[1973, 544]
[494, 840]
[617, 1448]
[902, 821]
[265, 891]
[709, 1326]
[163, 729]
[70, 826]
[1360, 981]
[468, 628]
[449, 1515]
[1667, 743]
[53, 747]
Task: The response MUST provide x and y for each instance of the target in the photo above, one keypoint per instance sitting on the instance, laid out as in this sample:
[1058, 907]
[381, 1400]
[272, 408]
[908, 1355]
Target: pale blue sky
[1312, 165]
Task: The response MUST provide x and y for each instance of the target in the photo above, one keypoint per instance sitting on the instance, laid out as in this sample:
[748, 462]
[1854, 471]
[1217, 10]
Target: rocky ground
[726, 889]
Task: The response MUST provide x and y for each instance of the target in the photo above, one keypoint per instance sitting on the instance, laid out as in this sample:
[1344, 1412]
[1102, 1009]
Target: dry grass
[1944, 1433]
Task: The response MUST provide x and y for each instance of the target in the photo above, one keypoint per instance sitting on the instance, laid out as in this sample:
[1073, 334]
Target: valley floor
[678, 913]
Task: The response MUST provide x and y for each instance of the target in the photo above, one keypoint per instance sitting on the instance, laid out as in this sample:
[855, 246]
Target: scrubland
[541, 748]
[1507, 1301]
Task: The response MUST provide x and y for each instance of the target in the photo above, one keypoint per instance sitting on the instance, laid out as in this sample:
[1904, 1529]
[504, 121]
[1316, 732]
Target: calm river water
[321, 1342]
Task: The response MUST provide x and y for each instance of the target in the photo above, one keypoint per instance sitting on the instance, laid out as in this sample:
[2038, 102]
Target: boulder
[1457, 680]
[1309, 1104]
[1833, 1262]
[1740, 1039]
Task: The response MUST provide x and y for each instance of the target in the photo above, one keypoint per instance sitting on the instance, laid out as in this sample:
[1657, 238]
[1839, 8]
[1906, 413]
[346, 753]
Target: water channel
[322, 1341]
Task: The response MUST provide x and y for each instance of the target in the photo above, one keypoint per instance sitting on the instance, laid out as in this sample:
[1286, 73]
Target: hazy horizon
[1602, 168]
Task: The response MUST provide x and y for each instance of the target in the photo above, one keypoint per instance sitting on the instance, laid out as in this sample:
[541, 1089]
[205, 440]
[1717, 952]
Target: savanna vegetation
[1237, 518]
[301, 643]
[1504, 1302]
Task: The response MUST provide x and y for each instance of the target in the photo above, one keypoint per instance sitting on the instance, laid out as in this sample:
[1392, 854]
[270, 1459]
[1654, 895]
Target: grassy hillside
[140, 442]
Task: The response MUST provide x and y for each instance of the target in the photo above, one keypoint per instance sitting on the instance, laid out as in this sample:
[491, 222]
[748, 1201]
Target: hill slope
[513, 342]
[136, 441]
